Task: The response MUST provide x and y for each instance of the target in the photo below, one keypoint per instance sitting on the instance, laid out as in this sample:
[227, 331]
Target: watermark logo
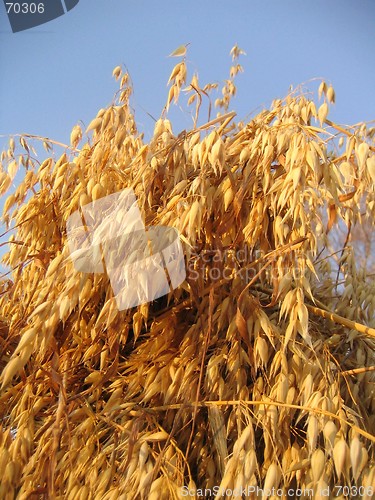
[108, 235]
[28, 13]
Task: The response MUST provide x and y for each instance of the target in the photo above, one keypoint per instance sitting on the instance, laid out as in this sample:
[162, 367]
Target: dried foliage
[259, 370]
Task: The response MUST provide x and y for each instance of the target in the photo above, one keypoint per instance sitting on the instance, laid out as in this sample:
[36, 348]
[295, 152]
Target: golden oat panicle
[258, 370]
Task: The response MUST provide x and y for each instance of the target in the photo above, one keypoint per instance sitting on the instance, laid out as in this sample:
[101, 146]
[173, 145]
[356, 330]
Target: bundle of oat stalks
[257, 372]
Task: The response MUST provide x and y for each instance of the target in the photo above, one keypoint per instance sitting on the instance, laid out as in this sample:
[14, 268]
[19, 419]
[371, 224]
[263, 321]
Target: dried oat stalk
[257, 371]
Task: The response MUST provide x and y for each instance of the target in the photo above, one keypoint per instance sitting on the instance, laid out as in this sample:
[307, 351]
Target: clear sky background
[59, 73]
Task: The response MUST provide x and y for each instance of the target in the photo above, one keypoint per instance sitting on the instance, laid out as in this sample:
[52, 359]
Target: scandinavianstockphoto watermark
[216, 265]
[109, 236]
[143, 264]
[27, 14]
[258, 492]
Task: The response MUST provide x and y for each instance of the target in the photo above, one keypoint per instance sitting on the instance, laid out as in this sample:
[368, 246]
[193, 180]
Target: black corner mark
[27, 14]
[69, 4]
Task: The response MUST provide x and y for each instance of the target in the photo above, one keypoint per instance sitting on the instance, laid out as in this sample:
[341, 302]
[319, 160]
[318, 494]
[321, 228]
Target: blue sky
[59, 73]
